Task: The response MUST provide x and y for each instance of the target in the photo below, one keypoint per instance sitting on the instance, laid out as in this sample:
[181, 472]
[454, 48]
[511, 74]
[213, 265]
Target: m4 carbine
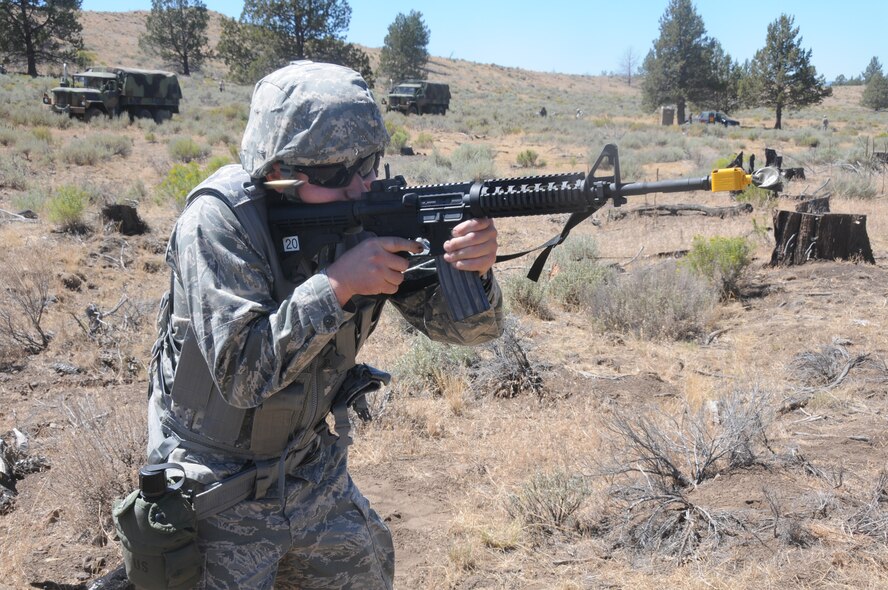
[429, 213]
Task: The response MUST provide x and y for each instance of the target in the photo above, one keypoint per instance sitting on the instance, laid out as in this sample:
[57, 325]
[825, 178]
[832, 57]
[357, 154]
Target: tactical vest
[195, 415]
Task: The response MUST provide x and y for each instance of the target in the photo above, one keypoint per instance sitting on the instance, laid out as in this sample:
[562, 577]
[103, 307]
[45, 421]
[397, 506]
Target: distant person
[543, 112]
[221, 84]
[579, 113]
[825, 123]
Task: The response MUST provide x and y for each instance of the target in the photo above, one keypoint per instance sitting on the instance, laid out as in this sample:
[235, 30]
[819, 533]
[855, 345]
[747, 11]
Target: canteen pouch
[159, 540]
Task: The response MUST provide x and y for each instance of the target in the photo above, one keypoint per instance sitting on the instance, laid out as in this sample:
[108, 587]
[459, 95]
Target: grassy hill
[637, 428]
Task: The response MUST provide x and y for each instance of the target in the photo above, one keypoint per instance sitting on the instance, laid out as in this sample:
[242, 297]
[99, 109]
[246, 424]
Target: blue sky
[583, 37]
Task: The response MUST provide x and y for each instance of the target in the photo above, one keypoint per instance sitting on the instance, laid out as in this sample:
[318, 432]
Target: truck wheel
[143, 114]
[92, 113]
[414, 109]
[161, 115]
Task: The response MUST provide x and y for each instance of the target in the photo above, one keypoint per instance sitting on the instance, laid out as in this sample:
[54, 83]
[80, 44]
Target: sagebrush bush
[548, 502]
[425, 141]
[108, 443]
[427, 364]
[722, 260]
[14, 173]
[663, 301]
[529, 159]
[66, 207]
[527, 296]
[855, 185]
[181, 178]
[83, 154]
[759, 198]
[657, 459]
[30, 200]
[472, 162]
[575, 273]
[185, 149]
[116, 145]
[8, 136]
[398, 140]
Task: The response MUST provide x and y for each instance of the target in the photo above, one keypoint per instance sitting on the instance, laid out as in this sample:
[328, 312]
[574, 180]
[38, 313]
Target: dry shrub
[824, 367]
[662, 301]
[656, 459]
[505, 370]
[115, 333]
[527, 297]
[24, 298]
[109, 445]
[549, 501]
[871, 516]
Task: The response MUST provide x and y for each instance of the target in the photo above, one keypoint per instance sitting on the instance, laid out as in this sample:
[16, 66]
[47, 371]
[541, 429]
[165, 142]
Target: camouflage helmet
[310, 114]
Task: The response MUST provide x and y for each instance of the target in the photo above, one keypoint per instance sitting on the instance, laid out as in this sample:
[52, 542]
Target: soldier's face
[314, 194]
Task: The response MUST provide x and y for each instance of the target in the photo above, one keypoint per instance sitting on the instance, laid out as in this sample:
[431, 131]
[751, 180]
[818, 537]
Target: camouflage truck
[142, 94]
[418, 97]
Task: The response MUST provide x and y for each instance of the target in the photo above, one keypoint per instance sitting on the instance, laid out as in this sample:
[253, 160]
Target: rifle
[429, 213]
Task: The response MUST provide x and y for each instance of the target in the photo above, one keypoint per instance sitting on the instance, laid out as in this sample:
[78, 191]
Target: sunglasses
[340, 175]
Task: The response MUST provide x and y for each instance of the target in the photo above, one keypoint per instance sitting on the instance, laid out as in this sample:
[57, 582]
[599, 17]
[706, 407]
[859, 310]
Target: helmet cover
[311, 114]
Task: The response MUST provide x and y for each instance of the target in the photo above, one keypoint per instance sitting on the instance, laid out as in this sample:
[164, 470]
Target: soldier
[254, 353]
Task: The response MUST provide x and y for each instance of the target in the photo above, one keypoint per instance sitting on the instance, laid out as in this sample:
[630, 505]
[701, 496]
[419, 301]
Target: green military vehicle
[418, 97]
[140, 94]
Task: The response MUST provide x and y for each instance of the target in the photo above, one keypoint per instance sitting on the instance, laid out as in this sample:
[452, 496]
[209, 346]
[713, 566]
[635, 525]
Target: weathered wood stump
[800, 237]
[819, 205]
[126, 217]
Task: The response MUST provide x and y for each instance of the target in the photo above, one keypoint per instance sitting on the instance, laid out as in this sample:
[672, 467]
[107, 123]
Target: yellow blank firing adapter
[729, 179]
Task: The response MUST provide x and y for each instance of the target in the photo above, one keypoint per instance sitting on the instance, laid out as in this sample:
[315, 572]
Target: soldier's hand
[372, 267]
[473, 245]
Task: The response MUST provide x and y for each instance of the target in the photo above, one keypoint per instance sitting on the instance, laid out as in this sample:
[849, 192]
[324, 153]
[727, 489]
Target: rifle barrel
[661, 186]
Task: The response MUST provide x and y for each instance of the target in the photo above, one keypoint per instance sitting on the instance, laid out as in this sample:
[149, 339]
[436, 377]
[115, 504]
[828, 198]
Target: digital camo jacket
[258, 338]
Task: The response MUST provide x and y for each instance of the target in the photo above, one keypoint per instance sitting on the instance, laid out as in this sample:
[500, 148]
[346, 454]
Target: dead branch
[679, 209]
[15, 217]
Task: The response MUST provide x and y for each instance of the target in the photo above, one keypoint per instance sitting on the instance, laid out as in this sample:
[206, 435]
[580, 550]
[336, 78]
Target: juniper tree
[405, 50]
[679, 68]
[781, 75]
[176, 30]
[36, 31]
[875, 95]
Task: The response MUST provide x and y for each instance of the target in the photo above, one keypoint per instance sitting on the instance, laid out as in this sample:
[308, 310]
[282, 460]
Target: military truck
[140, 94]
[418, 97]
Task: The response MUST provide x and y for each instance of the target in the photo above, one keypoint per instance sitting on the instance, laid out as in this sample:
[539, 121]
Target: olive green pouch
[159, 540]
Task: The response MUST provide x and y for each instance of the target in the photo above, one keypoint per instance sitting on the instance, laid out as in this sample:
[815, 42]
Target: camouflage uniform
[280, 340]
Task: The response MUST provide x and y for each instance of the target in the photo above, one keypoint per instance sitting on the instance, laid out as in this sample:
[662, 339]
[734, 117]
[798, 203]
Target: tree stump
[126, 217]
[818, 205]
[800, 237]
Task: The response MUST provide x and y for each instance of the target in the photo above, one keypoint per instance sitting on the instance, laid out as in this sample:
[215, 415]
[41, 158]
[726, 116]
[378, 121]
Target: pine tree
[874, 67]
[176, 30]
[679, 68]
[271, 33]
[36, 31]
[875, 95]
[405, 51]
[781, 74]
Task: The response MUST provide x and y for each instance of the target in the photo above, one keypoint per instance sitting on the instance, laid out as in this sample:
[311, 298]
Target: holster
[360, 380]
